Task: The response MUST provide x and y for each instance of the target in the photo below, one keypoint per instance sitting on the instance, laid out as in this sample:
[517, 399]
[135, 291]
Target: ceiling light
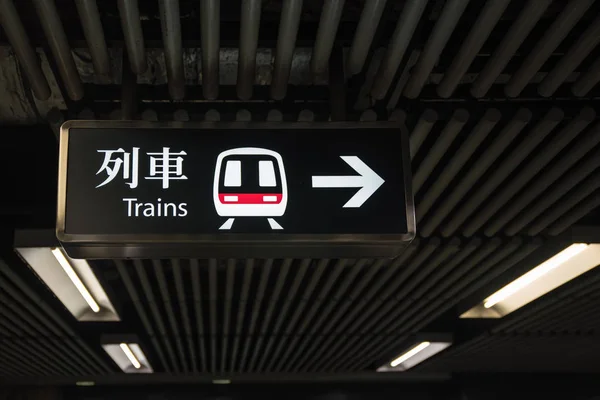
[128, 356]
[60, 257]
[535, 274]
[416, 355]
[72, 281]
[561, 268]
[221, 381]
[415, 350]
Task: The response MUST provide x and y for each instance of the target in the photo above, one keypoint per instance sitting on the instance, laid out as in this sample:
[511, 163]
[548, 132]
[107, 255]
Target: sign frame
[232, 244]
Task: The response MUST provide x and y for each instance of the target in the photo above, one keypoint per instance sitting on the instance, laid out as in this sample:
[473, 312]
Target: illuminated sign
[267, 190]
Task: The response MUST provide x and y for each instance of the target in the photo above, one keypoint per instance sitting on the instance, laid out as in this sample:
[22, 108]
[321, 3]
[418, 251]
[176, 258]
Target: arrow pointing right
[367, 180]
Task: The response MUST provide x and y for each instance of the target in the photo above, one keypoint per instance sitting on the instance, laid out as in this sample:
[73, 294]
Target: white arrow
[367, 180]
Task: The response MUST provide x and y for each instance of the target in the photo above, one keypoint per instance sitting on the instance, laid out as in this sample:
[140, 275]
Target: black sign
[235, 188]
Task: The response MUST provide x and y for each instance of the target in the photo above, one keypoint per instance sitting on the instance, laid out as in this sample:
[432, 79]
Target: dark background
[305, 153]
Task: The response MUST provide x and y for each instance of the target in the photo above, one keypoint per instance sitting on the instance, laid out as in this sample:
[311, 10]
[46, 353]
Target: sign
[266, 190]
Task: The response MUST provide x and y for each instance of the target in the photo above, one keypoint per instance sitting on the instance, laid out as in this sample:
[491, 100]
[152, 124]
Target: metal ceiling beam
[571, 14]
[249, 28]
[331, 14]
[94, 35]
[516, 35]
[199, 315]
[458, 120]
[137, 302]
[567, 64]
[255, 363]
[556, 181]
[210, 19]
[19, 40]
[183, 309]
[159, 274]
[587, 80]
[534, 137]
[405, 29]
[464, 153]
[482, 28]
[134, 38]
[567, 203]
[59, 45]
[484, 162]
[261, 294]
[365, 32]
[438, 38]
[286, 40]
[534, 165]
[419, 134]
[171, 32]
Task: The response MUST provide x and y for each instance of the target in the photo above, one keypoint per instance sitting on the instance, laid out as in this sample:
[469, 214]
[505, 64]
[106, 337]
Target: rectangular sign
[239, 187]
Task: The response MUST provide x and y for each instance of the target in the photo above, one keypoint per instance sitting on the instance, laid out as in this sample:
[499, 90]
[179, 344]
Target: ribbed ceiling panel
[226, 316]
[510, 172]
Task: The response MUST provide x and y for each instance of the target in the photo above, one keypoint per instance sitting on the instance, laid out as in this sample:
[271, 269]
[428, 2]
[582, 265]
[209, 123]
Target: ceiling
[500, 176]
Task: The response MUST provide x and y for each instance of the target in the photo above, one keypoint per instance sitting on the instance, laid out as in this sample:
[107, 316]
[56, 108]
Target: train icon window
[250, 182]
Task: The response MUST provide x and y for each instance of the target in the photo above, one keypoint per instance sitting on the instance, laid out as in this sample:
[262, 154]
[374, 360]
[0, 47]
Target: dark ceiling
[499, 182]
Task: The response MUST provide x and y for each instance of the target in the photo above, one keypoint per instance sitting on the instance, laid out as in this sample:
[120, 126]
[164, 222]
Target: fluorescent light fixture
[72, 281]
[221, 381]
[129, 357]
[414, 351]
[561, 268]
[85, 383]
[60, 257]
[415, 355]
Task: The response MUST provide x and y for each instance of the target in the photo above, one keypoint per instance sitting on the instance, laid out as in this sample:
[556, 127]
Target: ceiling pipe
[363, 38]
[530, 142]
[487, 158]
[332, 320]
[536, 58]
[440, 35]
[518, 32]
[564, 186]
[171, 33]
[134, 38]
[210, 20]
[17, 36]
[534, 165]
[270, 303]
[328, 26]
[583, 208]
[422, 129]
[122, 269]
[567, 64]
[405, 29]
[286, 41]
[57, 40]
[588, 80]
[94, 35]
[485, 23]
[565, 205]
[376, 285]
[451, 130]
[249, 28]
[460, 158]
[554, 182]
